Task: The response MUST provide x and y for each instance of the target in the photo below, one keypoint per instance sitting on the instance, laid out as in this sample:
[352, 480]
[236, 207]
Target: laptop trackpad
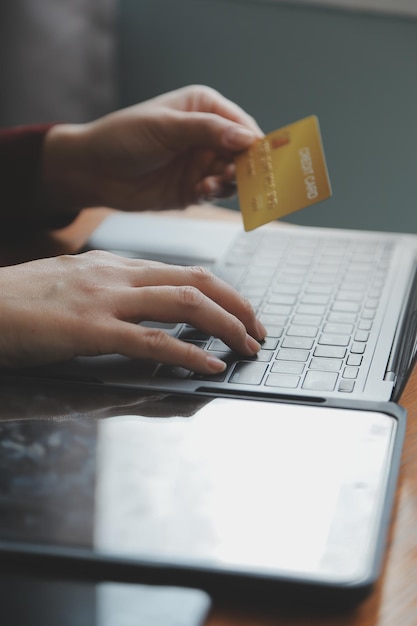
[182, 241]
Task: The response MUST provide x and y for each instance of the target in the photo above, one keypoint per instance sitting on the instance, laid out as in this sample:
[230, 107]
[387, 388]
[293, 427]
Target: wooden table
[394, 600]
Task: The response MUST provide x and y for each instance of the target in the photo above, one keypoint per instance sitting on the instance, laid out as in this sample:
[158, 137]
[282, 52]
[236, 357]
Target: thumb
[208, 130]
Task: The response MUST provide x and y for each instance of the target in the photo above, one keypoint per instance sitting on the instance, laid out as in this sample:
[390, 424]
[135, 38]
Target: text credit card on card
[281, 173]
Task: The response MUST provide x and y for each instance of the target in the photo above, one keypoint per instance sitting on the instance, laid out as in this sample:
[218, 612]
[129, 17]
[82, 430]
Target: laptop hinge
[405, 341]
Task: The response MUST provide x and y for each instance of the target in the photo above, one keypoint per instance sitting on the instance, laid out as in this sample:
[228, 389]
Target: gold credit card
[281, 173]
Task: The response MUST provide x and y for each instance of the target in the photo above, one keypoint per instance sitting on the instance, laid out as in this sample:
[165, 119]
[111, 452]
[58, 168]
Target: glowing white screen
[246, 485]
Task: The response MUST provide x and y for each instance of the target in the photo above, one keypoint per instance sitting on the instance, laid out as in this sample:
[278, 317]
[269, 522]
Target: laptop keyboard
[318, 299]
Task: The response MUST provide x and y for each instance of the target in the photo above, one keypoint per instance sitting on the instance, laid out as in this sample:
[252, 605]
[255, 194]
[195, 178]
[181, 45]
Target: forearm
[23, 198]
[169, 152]
[67, 170]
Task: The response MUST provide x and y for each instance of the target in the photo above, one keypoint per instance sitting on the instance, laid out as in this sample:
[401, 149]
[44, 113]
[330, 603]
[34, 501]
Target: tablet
[223, 494]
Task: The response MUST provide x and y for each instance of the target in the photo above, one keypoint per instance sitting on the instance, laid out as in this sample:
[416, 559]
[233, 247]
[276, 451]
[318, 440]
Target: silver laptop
[339, 306]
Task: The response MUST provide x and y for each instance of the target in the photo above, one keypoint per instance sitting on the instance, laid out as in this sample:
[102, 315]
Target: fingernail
[216, 365]
[262, 332]
[252, 344]
[238, 137]
[212, 187]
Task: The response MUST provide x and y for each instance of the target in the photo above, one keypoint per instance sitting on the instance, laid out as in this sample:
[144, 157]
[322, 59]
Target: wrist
[64, 184]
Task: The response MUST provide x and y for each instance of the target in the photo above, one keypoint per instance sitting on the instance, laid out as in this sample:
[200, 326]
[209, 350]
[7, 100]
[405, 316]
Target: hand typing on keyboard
[168, 152]
[92, 303]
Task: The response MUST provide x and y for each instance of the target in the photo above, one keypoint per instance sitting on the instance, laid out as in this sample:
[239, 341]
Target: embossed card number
[281, 173]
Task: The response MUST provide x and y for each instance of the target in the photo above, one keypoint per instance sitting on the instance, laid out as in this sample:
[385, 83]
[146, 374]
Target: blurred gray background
[76, 59]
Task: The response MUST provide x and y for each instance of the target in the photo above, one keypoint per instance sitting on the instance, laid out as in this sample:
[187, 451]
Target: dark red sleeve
[20, 167]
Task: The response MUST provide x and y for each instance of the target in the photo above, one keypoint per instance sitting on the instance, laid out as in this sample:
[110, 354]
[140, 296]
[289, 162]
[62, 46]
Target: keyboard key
[219, 345]
[366, 256]
[325, 365]
[252, 290]
[302, 331]
[303, 260]
[286, 288]
[263, 355]
[277, 309]
[319, 288]
[334, 352]
[293, 278]
[350, 372]
[260, 272]
[282, 380]
[231, 274]
[353, 277]
[379, 284]
[274, 332]
[287, 354]
[269, 343]
[354, 359]
[195, 342]
[346, 307]
[217, 378]
[359, 285]
[166, 326]
[281, 298]
[321, 279]
[327, 270]
[320, 381]
[338, 329]
[255, 301]
[358, 347]
[311, 309]
[342, 318]
[350, 296]
[375, 293]
[277, 320]
[333, 258]
[361, 335]
[172, 371]
[262, 282]
[228, 357]
[191, 334]
[290, 269]
[307, 320]
[361, 268]
[346, 385]
[365, 324]
[305, 343]
[248, 373]
[334, 340]
[287, 367]
[314, 299]
[368, 314]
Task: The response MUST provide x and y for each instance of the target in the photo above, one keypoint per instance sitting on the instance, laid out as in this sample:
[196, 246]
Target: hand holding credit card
[281, 173]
